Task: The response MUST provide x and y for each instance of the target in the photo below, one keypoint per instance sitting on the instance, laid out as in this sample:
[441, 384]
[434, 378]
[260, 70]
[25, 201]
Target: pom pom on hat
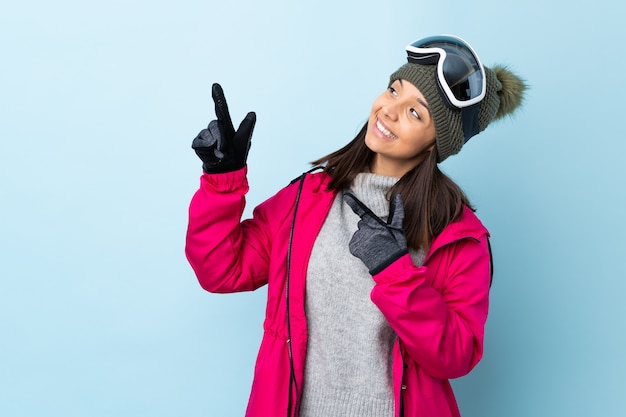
[512, 92]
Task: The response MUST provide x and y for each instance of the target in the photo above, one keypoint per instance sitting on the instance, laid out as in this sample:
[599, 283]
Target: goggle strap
[469, 119]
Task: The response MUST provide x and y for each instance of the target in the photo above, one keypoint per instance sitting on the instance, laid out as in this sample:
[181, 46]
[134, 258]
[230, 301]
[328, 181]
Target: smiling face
[400, 130]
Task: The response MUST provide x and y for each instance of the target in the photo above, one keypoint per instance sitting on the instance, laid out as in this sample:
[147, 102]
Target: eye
[392, 90]
[414, 113]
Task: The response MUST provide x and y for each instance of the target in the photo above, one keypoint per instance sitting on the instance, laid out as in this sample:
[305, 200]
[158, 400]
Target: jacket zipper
[402, 384]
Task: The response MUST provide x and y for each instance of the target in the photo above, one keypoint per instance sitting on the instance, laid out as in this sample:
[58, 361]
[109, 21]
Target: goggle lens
[460, 72]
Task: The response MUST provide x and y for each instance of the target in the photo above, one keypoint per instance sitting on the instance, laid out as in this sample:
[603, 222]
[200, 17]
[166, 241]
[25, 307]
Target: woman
[378, 270]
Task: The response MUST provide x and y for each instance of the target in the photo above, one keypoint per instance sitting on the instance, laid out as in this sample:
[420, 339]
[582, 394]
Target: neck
[393, 167]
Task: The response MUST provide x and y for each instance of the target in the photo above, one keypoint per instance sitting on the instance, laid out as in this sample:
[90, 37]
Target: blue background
[101, 315]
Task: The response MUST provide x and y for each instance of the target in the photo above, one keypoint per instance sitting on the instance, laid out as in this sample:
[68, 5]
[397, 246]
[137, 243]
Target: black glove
[220, 148]
[377, 243]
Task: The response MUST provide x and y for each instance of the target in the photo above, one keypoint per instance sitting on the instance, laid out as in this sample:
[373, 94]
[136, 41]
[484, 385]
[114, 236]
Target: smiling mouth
[384, 131]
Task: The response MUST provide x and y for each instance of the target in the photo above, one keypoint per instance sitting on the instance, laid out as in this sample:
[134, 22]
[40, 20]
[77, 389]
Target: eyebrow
[420, 101]
[423, 103]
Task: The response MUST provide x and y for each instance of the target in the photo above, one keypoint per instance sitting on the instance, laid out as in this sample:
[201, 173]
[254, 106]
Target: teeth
[385, 131]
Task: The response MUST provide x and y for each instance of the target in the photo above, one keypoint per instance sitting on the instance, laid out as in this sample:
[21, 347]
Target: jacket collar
[468, 226]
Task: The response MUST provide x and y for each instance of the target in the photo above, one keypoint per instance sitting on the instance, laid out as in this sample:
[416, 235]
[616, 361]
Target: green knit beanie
[505, 93]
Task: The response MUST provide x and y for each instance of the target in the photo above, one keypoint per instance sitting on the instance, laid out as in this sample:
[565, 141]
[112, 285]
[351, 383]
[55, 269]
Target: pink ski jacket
[438, 310]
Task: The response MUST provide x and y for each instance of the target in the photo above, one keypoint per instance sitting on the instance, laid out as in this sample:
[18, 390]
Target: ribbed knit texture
[349, 352]
[448, 123]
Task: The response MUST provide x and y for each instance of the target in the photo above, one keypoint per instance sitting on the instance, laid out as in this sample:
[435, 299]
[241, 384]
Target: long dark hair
[431, 199]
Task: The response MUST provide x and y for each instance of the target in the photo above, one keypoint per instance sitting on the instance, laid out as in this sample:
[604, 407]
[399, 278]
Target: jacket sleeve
[440, 329]
[226, 254]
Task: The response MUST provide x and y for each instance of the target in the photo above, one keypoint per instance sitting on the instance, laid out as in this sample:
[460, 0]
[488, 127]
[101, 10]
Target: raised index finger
[221, 109]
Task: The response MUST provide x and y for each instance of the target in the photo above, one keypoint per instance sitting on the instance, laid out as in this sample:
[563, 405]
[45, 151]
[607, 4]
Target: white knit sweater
[348, 369]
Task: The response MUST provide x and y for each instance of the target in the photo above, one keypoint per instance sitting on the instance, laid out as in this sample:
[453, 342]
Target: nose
[390, 110]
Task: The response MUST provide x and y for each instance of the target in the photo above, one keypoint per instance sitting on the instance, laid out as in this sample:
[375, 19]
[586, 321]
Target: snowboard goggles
[460, 74]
